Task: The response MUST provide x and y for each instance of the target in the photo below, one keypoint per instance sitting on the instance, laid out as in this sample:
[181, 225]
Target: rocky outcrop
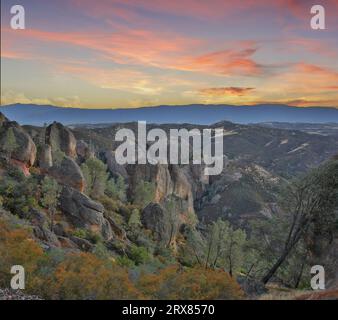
[169, 180]
[45, 160]
[114, 168]
[83, 244]
[83, 212]
[154, 218]
[165, 220]
[68, 173]
[83, 151]
[61, 138]
[2, 118]
[47, 236]
[24, 153]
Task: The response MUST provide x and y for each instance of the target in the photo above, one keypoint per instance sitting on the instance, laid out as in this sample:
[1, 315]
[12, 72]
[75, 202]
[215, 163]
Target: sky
[135, 53]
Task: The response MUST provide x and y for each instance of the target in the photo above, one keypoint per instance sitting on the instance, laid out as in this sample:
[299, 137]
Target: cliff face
[23, 150]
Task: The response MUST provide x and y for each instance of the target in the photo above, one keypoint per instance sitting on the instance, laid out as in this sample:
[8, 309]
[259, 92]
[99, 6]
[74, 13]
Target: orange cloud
[124, 47]
[151, 48]
[237, 61]
[234, 91]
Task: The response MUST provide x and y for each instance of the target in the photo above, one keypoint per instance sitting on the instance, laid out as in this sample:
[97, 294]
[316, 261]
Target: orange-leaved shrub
[84, 276]
[191, 283]
[17, 247]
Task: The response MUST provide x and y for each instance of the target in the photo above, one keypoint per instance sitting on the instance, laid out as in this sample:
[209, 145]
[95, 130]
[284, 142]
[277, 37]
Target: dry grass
[276, 292]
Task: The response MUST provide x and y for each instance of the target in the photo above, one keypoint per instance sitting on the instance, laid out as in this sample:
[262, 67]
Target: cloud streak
[225, 91]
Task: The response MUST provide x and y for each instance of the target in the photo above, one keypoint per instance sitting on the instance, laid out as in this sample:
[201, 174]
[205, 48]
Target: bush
[139, 255]
[88, 235]
[190, 284]
[144, 193]
[116, 189]
[84, 276]
[17, 247]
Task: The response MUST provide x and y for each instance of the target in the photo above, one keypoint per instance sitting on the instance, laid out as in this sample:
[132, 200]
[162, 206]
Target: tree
[134, 221]
[116, 189]
[144, 193]
[96, 176]
[10, 144]
[50, 190]
[309, 203]
[222, 246]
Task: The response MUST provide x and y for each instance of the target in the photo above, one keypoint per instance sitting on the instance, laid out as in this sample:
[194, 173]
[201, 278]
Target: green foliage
[116, 189]
[50, 193]
[96, 176]
[223, 246]
[139, 255]
[124, 261]
[101, 251]
[144, 193]
[134, 221]
[19, 194]
[89, 235]
[9, 143]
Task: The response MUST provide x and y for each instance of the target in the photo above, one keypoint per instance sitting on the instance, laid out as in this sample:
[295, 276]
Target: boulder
[45, 160]
[68, 173]
[154, 218]
[36, 217]
[61, 138]
[116, 229]
[25, 151]
[61, 229]
[66, 243]
[47, 236]
[83, 151]
[83, 244]
[83, 212]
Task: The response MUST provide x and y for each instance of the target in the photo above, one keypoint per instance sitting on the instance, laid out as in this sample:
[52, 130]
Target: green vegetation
[50, 191]
[98, 182]
[9, 144]
[144, 193]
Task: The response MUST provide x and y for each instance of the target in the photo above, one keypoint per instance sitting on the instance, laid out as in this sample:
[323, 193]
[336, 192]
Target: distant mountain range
[194, 114]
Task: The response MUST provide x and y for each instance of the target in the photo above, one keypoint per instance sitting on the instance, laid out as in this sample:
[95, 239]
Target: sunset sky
[133, 53]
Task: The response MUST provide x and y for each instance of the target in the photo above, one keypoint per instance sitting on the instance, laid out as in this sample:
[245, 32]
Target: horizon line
[171, 105]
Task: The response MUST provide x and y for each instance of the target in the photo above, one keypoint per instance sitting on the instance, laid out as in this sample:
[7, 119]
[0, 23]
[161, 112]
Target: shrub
[139, 255]
[192, 283]
[84, 276]
[17, 247]
[144, 193]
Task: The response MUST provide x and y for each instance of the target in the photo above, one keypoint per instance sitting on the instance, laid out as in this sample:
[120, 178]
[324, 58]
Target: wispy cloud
[219, 92]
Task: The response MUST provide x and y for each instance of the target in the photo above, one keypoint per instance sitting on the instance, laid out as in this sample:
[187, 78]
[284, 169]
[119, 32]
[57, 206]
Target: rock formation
[61, 138]
[68, 173]
[83, 212]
